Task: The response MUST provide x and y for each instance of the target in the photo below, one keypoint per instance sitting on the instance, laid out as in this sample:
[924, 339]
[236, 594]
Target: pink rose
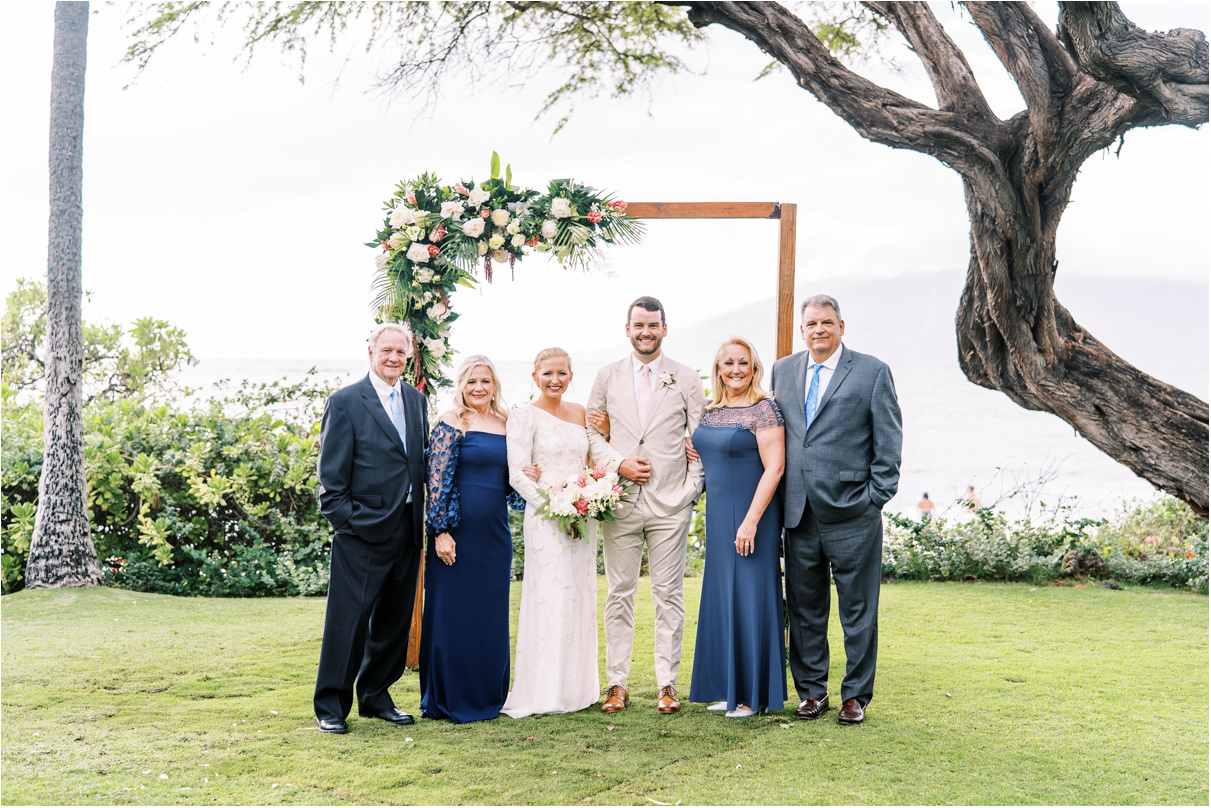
[485, 213]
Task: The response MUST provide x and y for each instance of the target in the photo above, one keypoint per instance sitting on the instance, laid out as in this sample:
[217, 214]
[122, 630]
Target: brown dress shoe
[852, 712]
[812, 708]
[617, 699]
[668, 703]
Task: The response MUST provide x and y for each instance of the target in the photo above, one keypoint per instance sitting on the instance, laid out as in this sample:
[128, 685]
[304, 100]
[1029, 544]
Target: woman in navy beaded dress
[739, 654]
[464, 647]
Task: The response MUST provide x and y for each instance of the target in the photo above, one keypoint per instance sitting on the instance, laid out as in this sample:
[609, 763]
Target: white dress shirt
[384, 391]
[826, 374]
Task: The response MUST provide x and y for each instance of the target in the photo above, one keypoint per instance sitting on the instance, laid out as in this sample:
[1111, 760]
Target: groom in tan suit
[652, 404]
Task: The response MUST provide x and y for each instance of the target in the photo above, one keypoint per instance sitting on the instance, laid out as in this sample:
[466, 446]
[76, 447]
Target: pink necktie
[645, 394]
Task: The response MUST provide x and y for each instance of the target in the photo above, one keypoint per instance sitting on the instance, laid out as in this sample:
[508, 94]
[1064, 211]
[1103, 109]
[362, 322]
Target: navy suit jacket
[363, 469]
[849, 459]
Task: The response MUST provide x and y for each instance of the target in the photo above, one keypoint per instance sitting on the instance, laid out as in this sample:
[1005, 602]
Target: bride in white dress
[555, 669]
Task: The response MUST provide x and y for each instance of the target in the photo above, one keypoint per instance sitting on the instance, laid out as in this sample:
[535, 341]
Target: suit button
[640, 441]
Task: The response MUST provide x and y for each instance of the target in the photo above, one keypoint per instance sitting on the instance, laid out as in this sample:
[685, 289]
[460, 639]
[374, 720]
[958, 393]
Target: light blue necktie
[813, 395]
[397, 417]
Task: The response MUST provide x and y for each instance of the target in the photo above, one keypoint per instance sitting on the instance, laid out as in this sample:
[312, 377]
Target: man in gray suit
[843, 439]
[372, 476]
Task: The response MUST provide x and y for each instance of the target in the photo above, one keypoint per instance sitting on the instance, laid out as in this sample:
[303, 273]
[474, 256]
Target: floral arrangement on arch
[435, 237]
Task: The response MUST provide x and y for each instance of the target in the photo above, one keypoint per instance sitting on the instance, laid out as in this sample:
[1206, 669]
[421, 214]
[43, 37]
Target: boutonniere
[667, 380]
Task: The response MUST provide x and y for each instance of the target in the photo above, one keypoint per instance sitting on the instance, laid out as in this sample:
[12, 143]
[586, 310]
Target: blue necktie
[813, 395]
[397, 417]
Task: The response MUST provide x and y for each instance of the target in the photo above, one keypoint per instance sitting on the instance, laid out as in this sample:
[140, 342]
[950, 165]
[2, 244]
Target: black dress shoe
[337, 726]
[852, 712]
[812, 708]
[393, 715]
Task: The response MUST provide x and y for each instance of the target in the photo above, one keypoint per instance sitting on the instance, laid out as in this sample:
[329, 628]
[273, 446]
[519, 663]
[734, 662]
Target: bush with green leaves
[218, 500]
[1158, 543]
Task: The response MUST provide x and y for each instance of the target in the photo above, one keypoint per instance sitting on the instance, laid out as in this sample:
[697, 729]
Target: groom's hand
[636, 469]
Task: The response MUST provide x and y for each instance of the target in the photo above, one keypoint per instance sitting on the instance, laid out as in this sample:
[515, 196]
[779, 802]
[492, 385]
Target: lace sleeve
[515, 501]
[519, 437]
[441, 495]
[766, 415]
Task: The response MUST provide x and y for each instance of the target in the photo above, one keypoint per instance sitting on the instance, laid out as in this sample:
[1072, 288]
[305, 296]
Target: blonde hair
[551, 353]
[754, 393]
[496, 406]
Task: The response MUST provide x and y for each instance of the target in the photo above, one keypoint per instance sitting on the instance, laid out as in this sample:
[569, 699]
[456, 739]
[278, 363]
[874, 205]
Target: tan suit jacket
[675, 412]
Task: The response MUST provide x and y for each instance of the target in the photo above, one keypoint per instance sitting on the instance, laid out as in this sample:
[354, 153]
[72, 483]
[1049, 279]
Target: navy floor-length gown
[739, 654]
[464, 649]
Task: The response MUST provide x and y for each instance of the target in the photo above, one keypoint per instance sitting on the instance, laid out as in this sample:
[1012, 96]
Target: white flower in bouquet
[549, 228]
[418, 253]
[399, 239]
[542, 246]
[518, 240]
[381, 260]
[496, 241]
[514, 227]
[500, 256]
[561, 208]
[452, 209]
[477, 197]
[401, 216]
[519, 208]
[423, 275]
[414, 233]
[500, 217]
[482, 247]
[438, 311]
[474, 228]
[436, 346]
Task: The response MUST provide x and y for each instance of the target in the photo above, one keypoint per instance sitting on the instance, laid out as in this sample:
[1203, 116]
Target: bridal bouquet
[591, 492]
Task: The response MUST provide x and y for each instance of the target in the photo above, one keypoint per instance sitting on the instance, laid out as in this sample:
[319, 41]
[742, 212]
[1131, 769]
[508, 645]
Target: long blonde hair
[496, 406]
[754, 393]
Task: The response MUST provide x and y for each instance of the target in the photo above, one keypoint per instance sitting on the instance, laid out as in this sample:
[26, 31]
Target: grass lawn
[987, 694]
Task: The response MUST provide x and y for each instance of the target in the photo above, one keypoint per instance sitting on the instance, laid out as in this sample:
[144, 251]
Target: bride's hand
[444, 544]
[600, 421]
[532, 471]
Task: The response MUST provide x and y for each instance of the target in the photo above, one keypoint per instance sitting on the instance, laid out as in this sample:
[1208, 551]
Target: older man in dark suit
[371, 472]
[843, 437]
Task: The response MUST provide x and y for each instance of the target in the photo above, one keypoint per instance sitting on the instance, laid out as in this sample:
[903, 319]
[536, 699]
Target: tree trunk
[1084, 89]
[61, 552]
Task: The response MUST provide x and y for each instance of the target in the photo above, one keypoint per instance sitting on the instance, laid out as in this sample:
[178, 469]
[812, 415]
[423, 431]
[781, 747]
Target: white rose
[561, 208]
[477, 197]
[543, 246]
[452, 209]
[437, 347]
[549, 228]
[438, 311]
[423, 275]
[500, 217]
[483, 248]
[380, 261]
[474, 228]
[496, 241]
[401, 216]
[514, 227]
[518, 240]
[399, 240]
[418, 253]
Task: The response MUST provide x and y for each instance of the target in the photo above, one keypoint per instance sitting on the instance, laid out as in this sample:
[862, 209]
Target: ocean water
[955, 435]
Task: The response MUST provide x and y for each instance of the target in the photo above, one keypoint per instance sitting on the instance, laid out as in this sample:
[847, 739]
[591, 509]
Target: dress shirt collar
[829, 364]
[637, 365]
[383, 389]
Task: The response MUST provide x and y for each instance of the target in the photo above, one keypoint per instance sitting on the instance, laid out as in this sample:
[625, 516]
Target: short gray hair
[820, 300]
[403, 328]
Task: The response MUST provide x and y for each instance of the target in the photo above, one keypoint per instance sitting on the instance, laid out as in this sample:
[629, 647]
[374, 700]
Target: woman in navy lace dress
[464, 649]
[739, 656]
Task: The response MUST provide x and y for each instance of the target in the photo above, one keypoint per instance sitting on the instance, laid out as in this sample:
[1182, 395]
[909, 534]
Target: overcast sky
[235, 202]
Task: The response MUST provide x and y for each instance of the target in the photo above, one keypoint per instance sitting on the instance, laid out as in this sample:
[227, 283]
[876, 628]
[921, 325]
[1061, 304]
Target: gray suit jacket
[363, 470]
[850, 458]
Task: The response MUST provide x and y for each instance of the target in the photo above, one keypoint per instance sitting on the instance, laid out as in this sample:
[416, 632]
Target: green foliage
[118, 363]
[217, 500]
[1159, 543]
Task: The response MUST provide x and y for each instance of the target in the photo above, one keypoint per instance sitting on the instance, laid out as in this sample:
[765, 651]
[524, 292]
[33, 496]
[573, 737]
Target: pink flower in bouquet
[484, 213]
[599, 472]
[594, 216]
[582, 506]
[532, 242]
[411, 197]
[386, 244]
[438, 233]
[617, 489]
[434, 250]
[582, 479]
[617, 205]
[458, 186]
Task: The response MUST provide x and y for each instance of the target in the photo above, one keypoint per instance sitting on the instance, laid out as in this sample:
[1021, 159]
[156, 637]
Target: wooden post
[418, 608]
[786, 213]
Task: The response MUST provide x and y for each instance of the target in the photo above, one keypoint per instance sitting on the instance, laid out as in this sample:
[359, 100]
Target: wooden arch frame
[785, 214]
